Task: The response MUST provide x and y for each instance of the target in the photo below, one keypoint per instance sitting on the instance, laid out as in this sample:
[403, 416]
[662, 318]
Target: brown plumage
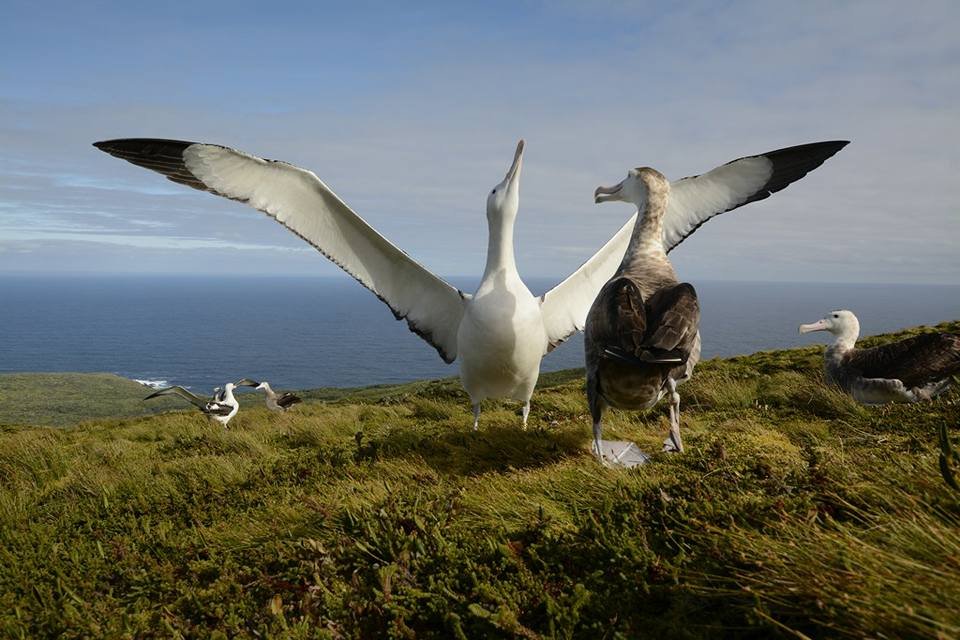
[285, 400]
[641, 335]
[916, 361]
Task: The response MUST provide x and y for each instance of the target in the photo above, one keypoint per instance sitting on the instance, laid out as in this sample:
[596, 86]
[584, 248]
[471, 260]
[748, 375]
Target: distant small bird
[282, 401]
[911, 370]
[642, 333]
[221, 406]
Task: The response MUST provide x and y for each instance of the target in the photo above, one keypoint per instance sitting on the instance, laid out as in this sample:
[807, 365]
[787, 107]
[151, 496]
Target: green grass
[59, 399]
[379, 513]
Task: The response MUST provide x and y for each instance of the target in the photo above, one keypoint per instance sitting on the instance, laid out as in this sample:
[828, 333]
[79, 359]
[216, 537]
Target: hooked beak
[819, 325]
[246, 382]
[603, 194]
[514, 172]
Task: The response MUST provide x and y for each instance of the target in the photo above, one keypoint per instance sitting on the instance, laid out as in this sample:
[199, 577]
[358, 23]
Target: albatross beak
[819, 325]
[514, 171]
[603, 194]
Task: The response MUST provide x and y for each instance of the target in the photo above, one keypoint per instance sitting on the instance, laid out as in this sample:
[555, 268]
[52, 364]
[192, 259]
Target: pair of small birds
[222, 406]
[641, 324]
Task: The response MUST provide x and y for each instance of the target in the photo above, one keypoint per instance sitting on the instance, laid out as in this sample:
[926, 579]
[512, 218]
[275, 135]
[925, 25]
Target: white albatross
[221, 406]
[501, 332]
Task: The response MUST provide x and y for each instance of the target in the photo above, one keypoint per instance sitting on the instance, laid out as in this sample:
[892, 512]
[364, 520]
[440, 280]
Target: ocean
[301, 333]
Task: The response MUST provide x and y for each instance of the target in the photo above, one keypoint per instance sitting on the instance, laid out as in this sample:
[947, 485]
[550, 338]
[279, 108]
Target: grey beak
[603, 194]
[514, 170]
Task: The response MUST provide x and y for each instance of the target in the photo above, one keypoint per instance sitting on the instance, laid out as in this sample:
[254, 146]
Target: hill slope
[380, 514]
[60, 399]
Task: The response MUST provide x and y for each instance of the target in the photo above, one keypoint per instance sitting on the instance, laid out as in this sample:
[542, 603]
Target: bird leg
[596, 402]
[673, 443]
[476, 416]
[597, 431]
[526, 413]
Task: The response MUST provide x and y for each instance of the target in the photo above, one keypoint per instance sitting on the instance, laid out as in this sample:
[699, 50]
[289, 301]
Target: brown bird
[275, 401]
[918, 368]
[642, 332]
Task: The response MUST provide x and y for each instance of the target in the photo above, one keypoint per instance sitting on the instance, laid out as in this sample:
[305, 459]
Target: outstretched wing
[696, 199]
[693, 201]
[916, 361]
[301, 202]
[195, 400]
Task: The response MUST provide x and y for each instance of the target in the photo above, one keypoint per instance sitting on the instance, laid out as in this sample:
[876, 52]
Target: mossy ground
[379, 513]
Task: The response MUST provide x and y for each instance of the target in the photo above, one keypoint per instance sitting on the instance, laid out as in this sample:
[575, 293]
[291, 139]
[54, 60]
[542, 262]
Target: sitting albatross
[502, 331]
[221, 406]
[910, 370]
[275, 401]
[642, 335]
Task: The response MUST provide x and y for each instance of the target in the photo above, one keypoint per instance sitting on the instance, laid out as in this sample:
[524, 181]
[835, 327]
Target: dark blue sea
[312, 332]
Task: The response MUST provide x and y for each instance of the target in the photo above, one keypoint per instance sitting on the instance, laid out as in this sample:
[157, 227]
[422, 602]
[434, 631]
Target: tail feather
[646, 357]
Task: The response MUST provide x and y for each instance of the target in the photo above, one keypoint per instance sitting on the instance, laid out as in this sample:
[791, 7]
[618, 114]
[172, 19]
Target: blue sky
[411, 114]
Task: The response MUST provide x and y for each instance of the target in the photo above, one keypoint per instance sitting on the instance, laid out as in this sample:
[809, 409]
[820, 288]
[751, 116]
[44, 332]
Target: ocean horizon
[304, 332]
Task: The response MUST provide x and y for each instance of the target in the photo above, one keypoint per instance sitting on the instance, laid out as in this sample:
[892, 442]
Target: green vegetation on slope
[381, 514]
[58, 399]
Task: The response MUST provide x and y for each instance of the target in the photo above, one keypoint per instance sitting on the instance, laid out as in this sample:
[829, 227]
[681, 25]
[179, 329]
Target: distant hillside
[58, 399]
[64, 399]
[378, 512]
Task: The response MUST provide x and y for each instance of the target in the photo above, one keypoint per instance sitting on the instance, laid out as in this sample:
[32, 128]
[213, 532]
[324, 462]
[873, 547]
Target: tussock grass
[893, 572]
[380, 513]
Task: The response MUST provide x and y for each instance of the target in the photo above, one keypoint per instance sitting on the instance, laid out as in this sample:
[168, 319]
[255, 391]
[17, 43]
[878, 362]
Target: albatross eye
[493, 192]
[836, 315]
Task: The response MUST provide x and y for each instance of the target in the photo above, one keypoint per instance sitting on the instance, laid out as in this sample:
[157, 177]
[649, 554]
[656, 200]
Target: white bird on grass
[221, 406]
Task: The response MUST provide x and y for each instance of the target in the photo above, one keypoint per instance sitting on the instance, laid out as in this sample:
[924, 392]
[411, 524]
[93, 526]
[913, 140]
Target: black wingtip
[143, 145]
[833, 146]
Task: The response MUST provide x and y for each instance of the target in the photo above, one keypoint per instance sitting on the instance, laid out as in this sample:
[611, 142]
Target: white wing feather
[300, 201]
[564, 308]
[695, 200]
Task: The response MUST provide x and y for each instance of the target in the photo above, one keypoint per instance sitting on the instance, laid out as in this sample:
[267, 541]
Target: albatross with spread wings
[501, 332]
[221, 406]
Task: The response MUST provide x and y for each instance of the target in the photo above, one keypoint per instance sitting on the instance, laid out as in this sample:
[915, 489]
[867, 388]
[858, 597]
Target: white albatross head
[841, 323]
[504, 201]
[635, 188]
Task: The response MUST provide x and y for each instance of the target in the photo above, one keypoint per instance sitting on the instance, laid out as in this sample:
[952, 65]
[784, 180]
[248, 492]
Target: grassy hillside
[57, 399]
[378, 513]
